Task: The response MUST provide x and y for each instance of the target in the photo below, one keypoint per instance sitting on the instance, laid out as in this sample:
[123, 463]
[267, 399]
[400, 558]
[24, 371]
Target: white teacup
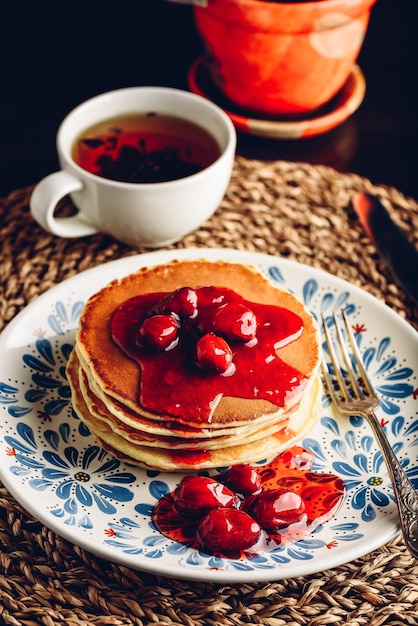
[150, 214]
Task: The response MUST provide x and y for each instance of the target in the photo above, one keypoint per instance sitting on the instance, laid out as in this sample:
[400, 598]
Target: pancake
[196, 459]
[118, 375]
[137, 430]
[185, 427]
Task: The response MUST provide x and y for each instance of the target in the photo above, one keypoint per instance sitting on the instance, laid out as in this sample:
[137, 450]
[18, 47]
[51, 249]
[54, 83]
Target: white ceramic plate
[51, 465]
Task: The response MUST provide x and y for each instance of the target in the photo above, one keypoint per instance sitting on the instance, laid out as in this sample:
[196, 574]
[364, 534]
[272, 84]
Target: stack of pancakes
[106, 383]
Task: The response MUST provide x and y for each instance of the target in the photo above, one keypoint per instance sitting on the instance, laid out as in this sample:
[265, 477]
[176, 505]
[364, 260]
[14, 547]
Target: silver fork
[351, 397]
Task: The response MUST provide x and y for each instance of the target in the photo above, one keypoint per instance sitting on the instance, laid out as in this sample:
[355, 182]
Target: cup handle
[44, 200]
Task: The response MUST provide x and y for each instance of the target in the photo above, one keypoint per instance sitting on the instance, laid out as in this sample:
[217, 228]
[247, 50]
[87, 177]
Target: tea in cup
[147, 165]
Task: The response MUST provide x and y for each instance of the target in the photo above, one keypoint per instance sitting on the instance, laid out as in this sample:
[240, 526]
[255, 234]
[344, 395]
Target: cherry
[227, 530]
[213, 354]
[275, 508]
[182, 302]
[242, 479]
[196, 495]
[158, 332]
[282, 513]
[235, 321]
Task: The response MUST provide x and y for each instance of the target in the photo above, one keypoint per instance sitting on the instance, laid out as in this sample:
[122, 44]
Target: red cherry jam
[278, 503]
[236, 344]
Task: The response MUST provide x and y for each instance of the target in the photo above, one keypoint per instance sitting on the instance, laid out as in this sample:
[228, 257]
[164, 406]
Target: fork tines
[347, 365]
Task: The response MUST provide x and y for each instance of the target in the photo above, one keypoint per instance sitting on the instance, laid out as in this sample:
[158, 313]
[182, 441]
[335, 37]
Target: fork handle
[406, 495]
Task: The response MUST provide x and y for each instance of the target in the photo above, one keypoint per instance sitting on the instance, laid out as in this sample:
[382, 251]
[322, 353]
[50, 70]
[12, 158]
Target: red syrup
[173, 385]
[321, 493]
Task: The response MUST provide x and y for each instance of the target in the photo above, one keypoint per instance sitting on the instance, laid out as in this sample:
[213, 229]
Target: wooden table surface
[55, 55]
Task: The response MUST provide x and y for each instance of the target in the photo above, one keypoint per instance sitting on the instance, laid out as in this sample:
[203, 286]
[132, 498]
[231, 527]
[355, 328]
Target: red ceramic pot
[282, 58]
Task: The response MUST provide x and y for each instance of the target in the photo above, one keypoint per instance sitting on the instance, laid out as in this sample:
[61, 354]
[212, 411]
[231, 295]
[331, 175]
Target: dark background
[55, 55]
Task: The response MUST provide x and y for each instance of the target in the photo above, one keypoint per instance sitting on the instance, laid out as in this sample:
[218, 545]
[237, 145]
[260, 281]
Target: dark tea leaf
[93, 143]
[111, 143]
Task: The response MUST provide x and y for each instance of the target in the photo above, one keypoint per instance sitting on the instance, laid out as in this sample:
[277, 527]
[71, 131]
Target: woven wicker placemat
[294, 210]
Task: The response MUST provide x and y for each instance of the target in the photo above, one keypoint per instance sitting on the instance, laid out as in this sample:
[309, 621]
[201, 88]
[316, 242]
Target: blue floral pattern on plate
[53, 466]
